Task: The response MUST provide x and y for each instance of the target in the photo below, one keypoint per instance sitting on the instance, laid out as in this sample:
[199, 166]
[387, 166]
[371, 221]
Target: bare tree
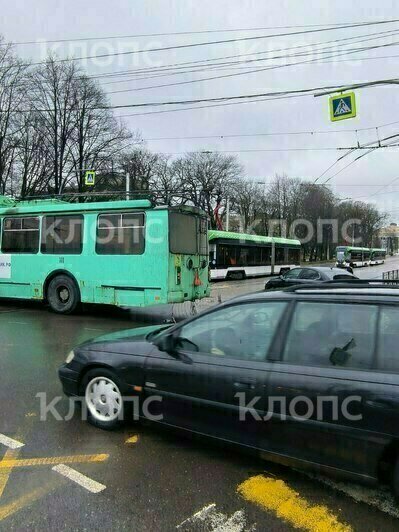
[54, 90]
[142, 165]
[363, 221]
[165, 184]
[207, 178]
[33, 159]
[317, 203]
[247, 202]
[12, 93]
[96, 137]
[284, 200]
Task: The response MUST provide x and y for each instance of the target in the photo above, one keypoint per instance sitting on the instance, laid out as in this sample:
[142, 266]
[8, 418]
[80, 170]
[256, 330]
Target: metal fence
[392, 275]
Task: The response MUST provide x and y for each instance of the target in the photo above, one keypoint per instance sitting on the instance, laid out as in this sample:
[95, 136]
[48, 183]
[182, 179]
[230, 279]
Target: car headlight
[70, 357]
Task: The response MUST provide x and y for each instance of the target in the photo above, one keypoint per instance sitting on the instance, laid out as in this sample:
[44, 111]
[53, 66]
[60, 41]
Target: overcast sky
[45, 20]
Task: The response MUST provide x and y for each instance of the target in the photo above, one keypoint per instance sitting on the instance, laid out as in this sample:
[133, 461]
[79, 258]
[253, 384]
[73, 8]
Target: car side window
[309, 274]
[388, 356]
[293, 274]
[241, 331]
[332, 334]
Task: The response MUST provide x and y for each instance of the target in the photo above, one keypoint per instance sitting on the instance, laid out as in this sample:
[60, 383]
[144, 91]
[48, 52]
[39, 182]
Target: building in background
[389, 237]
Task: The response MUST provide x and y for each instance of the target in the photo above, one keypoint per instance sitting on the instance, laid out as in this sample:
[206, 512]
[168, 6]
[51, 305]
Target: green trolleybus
[378, 256]
[125, 253]
[237, 255]
[352, 256]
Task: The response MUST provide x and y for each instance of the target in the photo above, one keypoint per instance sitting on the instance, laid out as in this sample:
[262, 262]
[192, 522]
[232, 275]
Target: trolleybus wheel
[236, 276]
[63, 295]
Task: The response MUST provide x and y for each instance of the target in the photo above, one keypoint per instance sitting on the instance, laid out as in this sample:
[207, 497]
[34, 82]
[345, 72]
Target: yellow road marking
[275, 495]
[25, 500]
[132, 439]
[11, 455]
[53, 460]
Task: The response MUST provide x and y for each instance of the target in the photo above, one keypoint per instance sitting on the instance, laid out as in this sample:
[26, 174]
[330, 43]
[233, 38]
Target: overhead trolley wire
[224, 41]
[166, 71]
[273, 133]
[177, 33]
[264, 69]
[200, 62]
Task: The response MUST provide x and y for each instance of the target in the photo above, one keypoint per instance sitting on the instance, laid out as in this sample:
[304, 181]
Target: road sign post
[342, 106]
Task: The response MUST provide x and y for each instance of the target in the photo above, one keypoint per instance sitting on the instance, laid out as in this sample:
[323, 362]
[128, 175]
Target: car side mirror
[166, 343]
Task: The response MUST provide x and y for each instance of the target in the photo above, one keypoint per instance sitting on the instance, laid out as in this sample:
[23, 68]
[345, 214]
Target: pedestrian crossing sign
[90, 178]
[342, 106]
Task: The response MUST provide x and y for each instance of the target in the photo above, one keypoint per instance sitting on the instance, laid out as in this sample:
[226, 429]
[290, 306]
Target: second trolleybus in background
[357, 256]
[125, 253]
[237, 256]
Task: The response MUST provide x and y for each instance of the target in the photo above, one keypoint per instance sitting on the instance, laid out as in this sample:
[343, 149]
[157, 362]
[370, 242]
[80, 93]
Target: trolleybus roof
[242, 237]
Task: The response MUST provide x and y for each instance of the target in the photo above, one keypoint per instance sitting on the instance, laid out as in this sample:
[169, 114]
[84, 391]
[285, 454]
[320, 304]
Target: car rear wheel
[103, 399]
[63, 295]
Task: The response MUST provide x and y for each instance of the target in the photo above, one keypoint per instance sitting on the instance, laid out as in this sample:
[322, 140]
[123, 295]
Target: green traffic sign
[342, 106]
[90, 178]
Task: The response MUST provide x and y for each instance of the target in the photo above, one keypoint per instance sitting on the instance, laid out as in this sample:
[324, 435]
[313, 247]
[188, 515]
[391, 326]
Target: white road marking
[235, 523]
[86, 482]
[381, 497]
[208, 518]
[10, 443]
[202, 515]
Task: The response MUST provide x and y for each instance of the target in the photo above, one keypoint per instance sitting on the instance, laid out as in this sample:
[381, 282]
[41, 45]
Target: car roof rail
[347, 284]
[364, 281]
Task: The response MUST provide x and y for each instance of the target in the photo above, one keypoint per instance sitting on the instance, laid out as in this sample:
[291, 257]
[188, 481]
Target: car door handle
[245, 384]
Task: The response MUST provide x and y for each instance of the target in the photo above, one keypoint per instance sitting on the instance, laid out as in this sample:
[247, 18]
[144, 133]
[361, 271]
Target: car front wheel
[103, 399]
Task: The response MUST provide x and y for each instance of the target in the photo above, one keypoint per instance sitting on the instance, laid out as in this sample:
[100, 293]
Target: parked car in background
[308, 274]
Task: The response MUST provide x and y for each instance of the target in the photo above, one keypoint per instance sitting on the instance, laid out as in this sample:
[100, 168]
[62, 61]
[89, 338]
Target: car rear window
[332, 334]
[388, 345]
[307, 273]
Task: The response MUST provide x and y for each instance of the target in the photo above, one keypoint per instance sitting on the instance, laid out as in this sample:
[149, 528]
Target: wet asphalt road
[155, 482]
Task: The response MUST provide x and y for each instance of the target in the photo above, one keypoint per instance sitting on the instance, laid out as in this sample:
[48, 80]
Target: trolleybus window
[203, 236]
[183, 234]
[120, 234]
[20, 235]
[62, 235]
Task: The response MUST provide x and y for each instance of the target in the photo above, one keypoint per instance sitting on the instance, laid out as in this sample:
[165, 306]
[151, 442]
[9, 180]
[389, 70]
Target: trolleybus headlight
[69, 357]
[190, 264]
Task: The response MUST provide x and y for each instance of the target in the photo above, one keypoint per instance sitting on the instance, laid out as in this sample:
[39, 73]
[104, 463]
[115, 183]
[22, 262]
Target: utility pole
[228, 214]
[127, 185]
